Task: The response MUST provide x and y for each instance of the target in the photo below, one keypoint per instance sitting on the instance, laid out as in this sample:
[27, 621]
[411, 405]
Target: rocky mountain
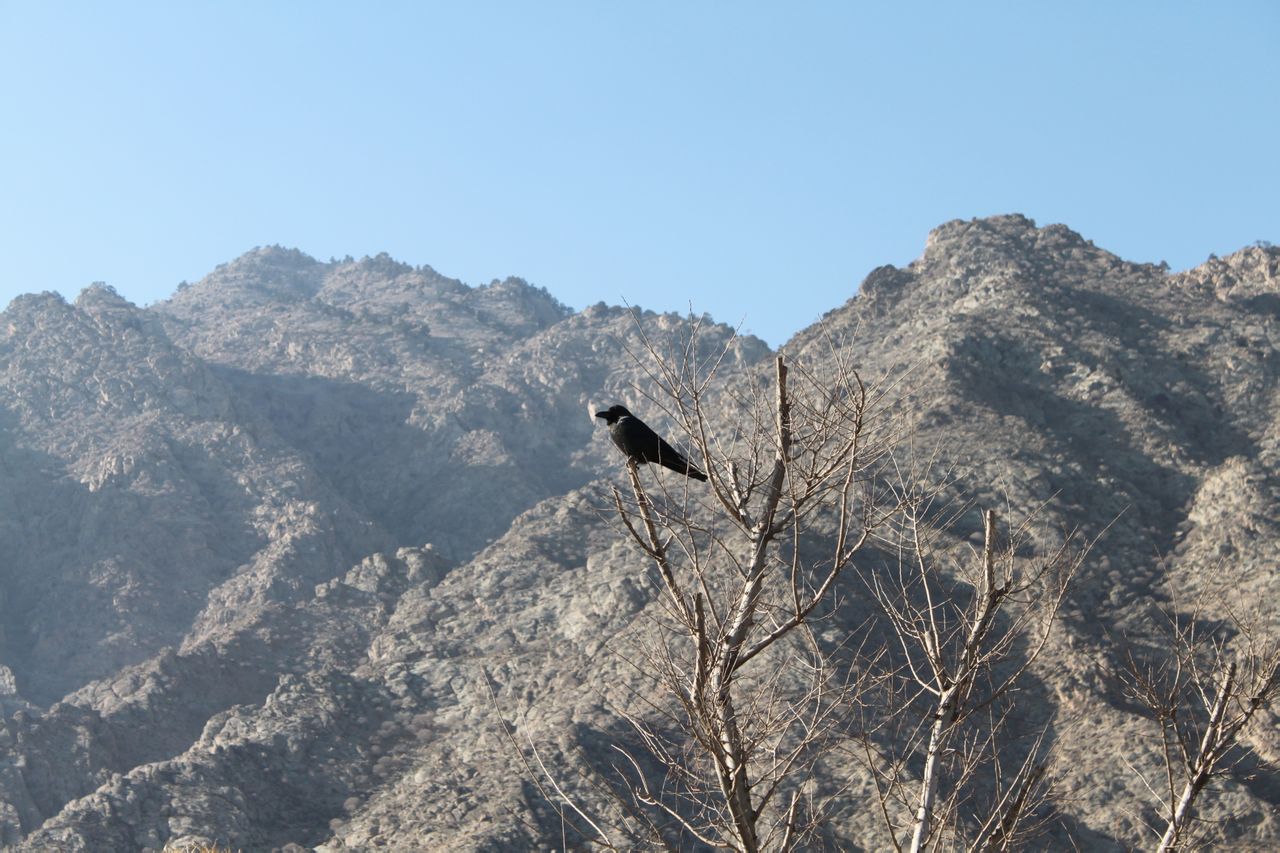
[312, 553]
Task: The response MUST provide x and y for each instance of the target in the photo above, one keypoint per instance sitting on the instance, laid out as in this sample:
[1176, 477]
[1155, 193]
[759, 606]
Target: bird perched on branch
[641, 444]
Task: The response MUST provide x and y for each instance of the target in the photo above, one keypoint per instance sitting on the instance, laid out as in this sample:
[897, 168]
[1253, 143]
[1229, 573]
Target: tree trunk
[1205, 759]
[929, 781]
[734, 784]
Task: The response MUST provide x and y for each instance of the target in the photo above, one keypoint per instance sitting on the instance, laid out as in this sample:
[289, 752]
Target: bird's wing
[637, 440]
[676, 462]
[670, 457]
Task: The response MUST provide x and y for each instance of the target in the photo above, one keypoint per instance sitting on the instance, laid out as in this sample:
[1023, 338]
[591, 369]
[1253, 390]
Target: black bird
[642, 444]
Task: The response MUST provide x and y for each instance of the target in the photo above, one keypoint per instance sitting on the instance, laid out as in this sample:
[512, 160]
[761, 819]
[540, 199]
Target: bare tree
[747, 564]
[968, 624]
[1202, 686]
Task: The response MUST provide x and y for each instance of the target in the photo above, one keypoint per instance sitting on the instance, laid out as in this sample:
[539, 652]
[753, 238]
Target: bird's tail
[684, 466]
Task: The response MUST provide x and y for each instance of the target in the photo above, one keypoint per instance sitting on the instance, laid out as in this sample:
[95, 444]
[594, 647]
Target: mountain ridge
[233, 492]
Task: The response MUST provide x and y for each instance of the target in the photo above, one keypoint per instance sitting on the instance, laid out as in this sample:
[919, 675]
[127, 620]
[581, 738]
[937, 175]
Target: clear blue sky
[754, 159]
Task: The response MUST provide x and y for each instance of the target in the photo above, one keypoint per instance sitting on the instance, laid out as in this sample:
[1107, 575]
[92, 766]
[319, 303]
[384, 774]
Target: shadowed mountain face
[278, 555]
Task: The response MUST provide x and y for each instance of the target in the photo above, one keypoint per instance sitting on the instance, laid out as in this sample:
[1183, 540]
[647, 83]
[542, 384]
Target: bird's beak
[602, 414]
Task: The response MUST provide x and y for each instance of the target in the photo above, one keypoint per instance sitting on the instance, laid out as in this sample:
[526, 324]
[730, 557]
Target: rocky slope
[286, 557]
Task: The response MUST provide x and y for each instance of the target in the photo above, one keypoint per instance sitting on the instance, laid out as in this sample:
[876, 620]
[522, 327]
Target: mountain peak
[999, 237]
[261, 275]
[1249, 273]
[101, 295]
[25, 303]
[274, 255]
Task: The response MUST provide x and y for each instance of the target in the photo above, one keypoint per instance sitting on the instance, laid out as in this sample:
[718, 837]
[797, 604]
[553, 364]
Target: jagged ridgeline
[300, 555]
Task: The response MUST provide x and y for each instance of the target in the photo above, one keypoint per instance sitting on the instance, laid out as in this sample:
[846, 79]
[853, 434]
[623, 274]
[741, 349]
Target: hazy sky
[754, 159]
